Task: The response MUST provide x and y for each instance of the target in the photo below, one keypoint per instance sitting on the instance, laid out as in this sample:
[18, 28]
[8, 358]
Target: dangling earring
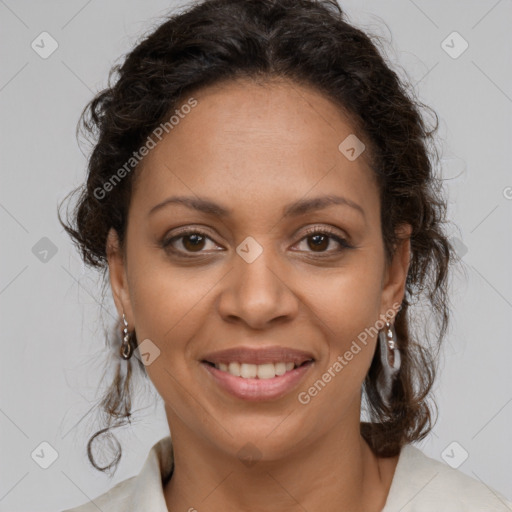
[390, 358]
[126, 347]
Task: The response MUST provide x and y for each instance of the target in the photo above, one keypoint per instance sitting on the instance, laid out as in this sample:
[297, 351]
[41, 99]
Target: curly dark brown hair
[307, 42]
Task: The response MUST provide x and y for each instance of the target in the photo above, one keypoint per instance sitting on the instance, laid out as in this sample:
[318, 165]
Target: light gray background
[52, 351]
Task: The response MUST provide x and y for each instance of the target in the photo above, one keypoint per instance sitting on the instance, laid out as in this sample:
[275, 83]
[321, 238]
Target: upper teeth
[251, 371]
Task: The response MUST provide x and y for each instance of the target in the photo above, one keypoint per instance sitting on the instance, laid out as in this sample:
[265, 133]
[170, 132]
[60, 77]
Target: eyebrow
[300, 207]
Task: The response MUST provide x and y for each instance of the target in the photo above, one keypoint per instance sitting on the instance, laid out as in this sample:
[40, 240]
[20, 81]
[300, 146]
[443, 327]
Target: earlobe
[117, 274]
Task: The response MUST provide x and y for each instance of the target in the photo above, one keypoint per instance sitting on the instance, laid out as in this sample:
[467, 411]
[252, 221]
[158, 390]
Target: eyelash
[167, 243]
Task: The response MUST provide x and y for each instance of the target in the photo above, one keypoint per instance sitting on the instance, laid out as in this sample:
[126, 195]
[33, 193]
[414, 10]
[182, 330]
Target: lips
[256, 389]
[258, 356]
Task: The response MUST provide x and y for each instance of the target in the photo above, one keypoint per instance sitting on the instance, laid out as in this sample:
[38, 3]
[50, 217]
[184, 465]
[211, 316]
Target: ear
[117, 273]
[395, 275]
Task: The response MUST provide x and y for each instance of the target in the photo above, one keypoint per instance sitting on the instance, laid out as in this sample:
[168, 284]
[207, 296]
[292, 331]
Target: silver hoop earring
[390, 359]
[126, 347]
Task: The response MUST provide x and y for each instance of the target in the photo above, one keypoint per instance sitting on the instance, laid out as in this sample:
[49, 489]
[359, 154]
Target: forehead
[254, 139]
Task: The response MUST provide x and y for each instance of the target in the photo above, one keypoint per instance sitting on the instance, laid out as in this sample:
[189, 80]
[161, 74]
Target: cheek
[168, 303]
[169, 310]
[346, 307]
[346, 300]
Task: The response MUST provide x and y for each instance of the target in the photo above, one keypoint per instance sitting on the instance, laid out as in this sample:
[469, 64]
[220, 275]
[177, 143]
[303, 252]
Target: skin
[254, 149]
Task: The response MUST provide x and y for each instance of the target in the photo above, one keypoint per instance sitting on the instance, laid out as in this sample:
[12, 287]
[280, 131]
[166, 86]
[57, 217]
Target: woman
[262, 195]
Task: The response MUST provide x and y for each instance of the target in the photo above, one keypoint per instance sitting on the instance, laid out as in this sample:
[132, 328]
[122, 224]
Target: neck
[335, 472]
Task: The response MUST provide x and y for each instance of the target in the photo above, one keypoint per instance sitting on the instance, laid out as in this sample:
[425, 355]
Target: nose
[258, 293]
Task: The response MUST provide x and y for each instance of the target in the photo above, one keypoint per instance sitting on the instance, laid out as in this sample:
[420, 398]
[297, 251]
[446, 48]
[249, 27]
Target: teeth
[248, 371]
[280, 368]
[234, 369]
[251, 371]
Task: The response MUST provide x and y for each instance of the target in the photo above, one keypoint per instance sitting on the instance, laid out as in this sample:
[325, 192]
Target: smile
[260, 371]
[257, 382]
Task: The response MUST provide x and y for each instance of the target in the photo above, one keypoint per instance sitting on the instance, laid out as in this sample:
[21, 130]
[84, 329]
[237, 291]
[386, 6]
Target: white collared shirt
[420, 484]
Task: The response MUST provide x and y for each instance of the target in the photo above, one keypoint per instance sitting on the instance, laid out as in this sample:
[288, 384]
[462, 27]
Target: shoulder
[423, 484]
[116, 498]
[143, 491]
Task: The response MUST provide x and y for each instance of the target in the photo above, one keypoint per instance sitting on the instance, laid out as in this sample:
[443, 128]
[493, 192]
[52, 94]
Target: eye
[192, 241]
[320, 238]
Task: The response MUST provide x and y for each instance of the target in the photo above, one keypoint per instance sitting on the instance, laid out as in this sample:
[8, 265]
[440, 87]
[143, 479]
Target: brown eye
[192, 241]
[318, 241]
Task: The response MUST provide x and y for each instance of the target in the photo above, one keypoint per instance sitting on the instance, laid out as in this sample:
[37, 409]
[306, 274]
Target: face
[266, 267]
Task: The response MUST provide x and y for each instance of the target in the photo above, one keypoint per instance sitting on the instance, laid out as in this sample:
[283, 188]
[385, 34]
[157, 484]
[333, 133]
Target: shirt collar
[147, 492]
